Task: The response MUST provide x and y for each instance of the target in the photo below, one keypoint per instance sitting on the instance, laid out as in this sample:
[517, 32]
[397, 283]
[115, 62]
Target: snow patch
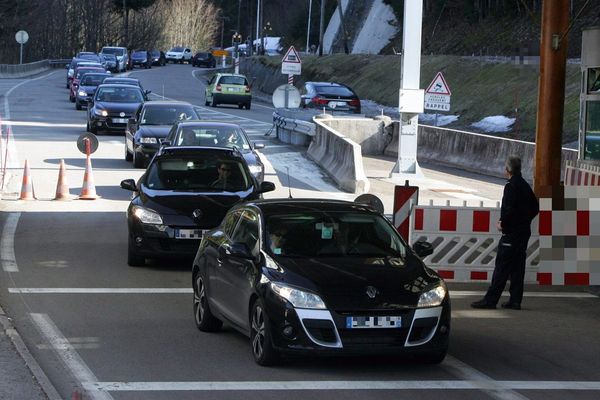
[495, 123]
[442, 119]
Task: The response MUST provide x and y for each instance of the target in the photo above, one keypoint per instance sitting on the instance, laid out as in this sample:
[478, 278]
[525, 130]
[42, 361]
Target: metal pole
[551, 99]
[222, 29]
[308, 27]
[257, 22]
[239, 14]
[21, 55]
[262, 30]
[321, 27]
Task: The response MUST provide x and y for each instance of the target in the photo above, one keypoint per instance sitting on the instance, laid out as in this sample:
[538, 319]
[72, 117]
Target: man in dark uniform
[519, 207]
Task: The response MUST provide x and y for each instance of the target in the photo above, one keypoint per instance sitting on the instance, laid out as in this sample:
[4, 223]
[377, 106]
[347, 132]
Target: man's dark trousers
[510, 264]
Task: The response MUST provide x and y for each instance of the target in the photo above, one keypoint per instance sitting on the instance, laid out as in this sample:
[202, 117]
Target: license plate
[119, 120]
[233, 89]
[373, 322]
[188, 233]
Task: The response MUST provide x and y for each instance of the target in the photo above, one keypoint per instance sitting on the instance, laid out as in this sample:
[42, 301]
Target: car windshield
[197, 173]
[155, 53]
[139, 54]
[109, 57]
[158, 115]
[211, 135]
[177, 49]
[92, 80]
[332, 234]
[334, 90]
[120, 95]
[233, 80]
[202, 56]
[115, 51]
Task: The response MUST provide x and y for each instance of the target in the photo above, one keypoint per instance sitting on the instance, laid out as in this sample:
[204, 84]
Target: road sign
[219, 53]
[286, 96]
[291, 63]
[85, 140]
[437, 95]
[22, 37]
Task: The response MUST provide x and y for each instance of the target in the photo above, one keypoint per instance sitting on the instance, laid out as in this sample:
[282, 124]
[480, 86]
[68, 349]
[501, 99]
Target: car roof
[119, 85]
[167, 103]
[225, 74]
[332, 84]
[275, 206]
[125, 79]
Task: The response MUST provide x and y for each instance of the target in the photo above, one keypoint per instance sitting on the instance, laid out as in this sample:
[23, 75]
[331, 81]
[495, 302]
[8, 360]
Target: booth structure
[589, 117]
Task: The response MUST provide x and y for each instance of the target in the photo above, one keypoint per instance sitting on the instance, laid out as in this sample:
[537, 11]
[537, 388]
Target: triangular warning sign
[291, 56]
[439, 86]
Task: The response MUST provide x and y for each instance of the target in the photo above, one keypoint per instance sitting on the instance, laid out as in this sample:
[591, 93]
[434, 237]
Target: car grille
[370, 337]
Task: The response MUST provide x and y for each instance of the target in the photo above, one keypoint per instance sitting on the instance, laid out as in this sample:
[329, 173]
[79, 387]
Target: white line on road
[43, 124]
[7, 243]
[572, 295]
[68, 355]
[342, 385]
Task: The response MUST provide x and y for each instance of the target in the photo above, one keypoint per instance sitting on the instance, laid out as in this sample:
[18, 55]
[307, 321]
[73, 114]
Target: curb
[39, 375]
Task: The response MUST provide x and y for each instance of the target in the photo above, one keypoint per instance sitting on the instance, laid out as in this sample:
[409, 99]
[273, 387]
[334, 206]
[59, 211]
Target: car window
[153, 115]
[233, 80]
[334, 90]
[177, 49]
[247, 231]
[140, 53]
[115, 51]
[221, 136]
[230, 221]
[120, 95]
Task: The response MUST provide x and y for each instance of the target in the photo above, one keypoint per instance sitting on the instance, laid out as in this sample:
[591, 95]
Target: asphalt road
[95, 324]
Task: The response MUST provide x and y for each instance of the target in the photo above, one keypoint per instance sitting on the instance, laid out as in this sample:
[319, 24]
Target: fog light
[443, 329]
[289, 332]
[138, 240]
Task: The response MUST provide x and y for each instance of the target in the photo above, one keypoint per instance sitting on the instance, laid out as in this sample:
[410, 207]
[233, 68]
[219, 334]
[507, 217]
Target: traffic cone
[88, 191]
[27, 192]
[62, 187]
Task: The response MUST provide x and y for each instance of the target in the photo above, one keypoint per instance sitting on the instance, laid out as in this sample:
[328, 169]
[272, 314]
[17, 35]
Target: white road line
[99, 290]
[68, 355]
[7, 243]
[572, 295]
[342, 385]
[43, 124]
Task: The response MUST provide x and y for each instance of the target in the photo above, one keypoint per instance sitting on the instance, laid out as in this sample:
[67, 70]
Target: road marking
[68, 355]
[572, 295]
[7, 243]
[43, 124]
[343, 385]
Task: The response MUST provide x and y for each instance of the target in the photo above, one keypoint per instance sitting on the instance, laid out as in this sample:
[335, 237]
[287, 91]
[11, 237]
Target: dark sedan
[319, 277]
[88, 84]
[112, 106]
[79, 72]
[141, 58]
[150, 125]
[204, 60]
[158, 57]
[222, 134]
[331, 96]
[183, 192]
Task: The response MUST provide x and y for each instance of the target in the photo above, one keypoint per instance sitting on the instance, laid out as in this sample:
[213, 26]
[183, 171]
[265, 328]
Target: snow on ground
[442, 119]
[493, 124]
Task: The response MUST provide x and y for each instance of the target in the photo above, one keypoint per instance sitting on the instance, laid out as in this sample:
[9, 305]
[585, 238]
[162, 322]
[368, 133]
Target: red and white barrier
[405, 199]
[581, 174]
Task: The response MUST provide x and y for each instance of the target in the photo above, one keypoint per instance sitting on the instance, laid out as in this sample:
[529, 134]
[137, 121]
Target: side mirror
[259, 146]
[266, 187]
[128, 184]
[207, 81]
[165, 142]
[423, 248]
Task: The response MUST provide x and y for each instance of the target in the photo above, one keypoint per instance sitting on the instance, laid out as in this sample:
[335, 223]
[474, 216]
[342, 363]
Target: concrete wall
[473, 152]
[340, 157]
[23, 70]
[371, 134]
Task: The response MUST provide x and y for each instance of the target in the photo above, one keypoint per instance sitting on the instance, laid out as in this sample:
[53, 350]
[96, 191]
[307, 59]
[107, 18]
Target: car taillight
[355, 102]
[218, 88]
[319, 101]
[247, 89]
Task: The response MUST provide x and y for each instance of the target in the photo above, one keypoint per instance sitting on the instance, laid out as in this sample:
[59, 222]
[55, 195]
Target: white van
[121, 54]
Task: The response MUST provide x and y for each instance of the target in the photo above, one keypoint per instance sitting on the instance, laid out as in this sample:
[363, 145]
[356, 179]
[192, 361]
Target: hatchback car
[79, 72]
[319, 277]
[158, 57]
[331, 96]
[75, 62]
[150, 125]
[112, 106]
[141, 58]
[87, 87]
[203, 59]
[228, 89]
[183, 192]
[222, 134]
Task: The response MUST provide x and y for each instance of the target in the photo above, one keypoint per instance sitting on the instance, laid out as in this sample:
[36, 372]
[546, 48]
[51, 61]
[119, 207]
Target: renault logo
[372, 292]
[122, 114]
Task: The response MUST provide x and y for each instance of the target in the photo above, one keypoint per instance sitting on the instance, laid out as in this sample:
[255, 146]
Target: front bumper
[158, 241]
[107, 123]
[83, 100]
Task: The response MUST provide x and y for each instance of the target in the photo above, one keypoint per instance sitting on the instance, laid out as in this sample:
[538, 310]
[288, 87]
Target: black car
[331, 96]
[75, 62]
[150, 125]
[87, 87]
[204, 59]
[109, 61]
[158, 57]
[320, 277]
[126, 81]
[222, 134]
[141, 58]
[112, 106]
[184, 191]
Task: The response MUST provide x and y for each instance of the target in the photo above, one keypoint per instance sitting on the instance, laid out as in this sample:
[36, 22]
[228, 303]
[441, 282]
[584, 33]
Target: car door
[132, 129]
[235, 274]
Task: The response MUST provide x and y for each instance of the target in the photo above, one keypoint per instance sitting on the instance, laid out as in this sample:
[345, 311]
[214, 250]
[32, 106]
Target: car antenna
[289, 186]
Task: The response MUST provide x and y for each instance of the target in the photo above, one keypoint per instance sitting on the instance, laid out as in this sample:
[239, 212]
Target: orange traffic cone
[88, 191]
[62, 187]
[27, 192]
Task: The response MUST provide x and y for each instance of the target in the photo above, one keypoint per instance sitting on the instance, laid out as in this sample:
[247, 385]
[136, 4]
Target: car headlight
[71, 72]
[148, 140]
[147, 216]
[255, 169]
[433, 297]
[82, 93]
[101, 113]
[298, 298]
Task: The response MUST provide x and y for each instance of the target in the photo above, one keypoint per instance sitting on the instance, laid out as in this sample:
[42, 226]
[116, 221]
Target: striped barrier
[581, 174]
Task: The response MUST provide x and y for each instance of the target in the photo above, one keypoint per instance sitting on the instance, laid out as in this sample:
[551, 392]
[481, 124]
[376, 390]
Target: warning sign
[437, 95]
[439, 86]
[291, 63]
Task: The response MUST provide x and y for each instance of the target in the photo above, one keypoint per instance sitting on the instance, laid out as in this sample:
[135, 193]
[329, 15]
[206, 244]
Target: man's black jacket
[519, 206]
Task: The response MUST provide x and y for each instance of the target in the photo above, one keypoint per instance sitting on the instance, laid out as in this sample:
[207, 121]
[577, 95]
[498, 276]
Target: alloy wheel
[258, 332]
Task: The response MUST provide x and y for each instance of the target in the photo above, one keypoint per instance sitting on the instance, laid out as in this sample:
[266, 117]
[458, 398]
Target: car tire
[248, 105]
[260, 336]
[137, 161]
[205, 320]
[134, 259]
[240, 106]
[213, 103]
[128, 155]
[78, 105]
[72, 99]
[207, 103]
[92, 129]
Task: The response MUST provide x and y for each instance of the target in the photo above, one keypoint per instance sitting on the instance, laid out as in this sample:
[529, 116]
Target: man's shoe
[512, 306]
[483, 304]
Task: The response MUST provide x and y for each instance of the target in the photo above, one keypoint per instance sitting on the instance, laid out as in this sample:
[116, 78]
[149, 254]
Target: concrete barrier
[293, 131]
[372, 134]
[23, 70]
[472, 151]
[340, 157]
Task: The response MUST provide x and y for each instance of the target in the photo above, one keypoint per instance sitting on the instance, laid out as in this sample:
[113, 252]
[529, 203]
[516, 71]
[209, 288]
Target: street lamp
[267, 28]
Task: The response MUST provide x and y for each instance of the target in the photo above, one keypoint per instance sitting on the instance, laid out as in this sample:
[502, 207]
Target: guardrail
[23, 70]
[293, 131]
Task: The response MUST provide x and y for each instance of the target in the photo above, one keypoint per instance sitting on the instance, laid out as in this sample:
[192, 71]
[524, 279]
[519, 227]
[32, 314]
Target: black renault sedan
[112, 106]
[319, 277]
[221, 134]
[184, 191]
[150, 125]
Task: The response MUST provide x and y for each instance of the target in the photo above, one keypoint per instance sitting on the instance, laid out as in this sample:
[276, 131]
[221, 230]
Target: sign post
[291, 65]
[21, 37]
[437, 95]
[237, 39]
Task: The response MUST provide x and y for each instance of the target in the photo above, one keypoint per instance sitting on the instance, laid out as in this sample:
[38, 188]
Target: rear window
[221, 136]
[233, 80]
[203, 56]
[177, 49]
[155, 53]
[110, 57]
[334, 90]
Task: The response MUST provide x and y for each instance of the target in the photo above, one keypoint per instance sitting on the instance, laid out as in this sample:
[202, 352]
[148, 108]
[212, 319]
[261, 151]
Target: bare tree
[190, 23]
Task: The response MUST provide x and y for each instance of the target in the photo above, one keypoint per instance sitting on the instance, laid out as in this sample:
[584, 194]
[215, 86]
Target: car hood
[251, 158]
[88, 89]
[127, 108]
[342, 281]
[157, 131]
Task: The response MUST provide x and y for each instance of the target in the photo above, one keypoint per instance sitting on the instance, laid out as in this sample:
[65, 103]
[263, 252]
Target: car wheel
[92, 129]
[248, 105]
[207, 103]
[205, 320]
[128, 155]
[260, 336]
[240, 106]
[138, 162]
[72, 99]
[78, 105]
[213, 103]
[133, 259]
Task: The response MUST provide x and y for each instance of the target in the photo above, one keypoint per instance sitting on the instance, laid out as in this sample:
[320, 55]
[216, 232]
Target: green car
[228, 89]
